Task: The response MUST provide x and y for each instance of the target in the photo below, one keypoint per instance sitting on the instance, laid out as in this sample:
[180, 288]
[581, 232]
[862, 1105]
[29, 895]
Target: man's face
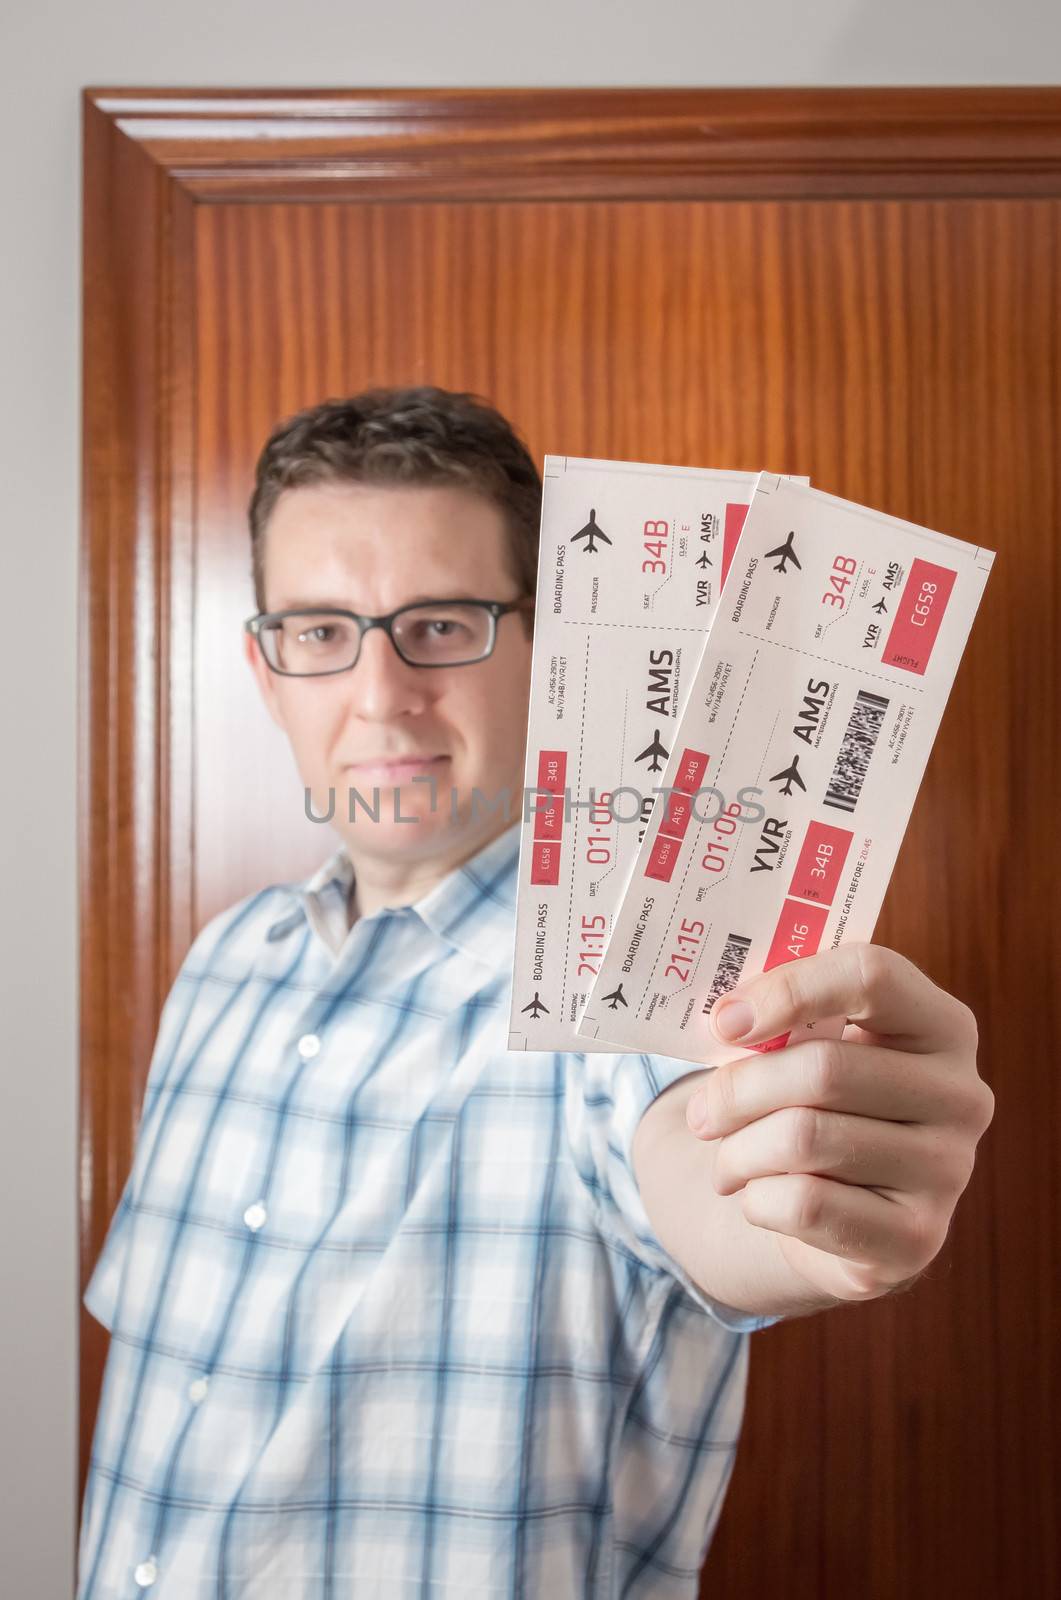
[372, 550]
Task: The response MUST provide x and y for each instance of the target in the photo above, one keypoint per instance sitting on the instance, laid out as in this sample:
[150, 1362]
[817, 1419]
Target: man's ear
[263, 677]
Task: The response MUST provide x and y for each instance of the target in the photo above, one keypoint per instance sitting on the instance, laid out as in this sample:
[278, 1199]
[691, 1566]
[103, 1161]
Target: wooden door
[859, 286]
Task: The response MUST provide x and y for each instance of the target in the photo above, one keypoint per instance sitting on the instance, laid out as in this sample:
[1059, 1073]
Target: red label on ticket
[735, 516]
[661, 860]
[691, 769]
[548, 816]
[798, 933]
[820, 863]
[545, 863]
[928, 588]
[552, 767]
[676, 816]
[772, 1044]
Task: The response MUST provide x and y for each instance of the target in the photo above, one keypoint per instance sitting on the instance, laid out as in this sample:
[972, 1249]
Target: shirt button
[254, 1216]
[197, 1390]
[146, 1573]
[308, 1046]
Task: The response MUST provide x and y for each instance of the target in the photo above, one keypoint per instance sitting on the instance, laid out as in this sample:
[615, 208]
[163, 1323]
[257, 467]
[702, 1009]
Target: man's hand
[852, 1152]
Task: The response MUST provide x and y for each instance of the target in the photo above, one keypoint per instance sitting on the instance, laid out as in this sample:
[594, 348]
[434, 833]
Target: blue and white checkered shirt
[388, 1318]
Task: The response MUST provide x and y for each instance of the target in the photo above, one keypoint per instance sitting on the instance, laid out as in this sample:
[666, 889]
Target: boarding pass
[631, 562]
[794, 766]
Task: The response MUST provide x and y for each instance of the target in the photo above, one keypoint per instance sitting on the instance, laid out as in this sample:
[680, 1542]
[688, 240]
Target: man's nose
[382, 685]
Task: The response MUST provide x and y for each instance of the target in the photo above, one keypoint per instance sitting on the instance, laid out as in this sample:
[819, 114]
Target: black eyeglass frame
[495, 609]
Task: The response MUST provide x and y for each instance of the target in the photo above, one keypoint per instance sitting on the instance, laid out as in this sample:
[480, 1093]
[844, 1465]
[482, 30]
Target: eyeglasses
[434, 633]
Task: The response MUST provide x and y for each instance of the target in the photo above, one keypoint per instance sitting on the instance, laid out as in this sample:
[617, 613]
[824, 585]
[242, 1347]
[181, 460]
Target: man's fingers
[840, 1075]
[904, 1159]
[855, 1224]
[866, 983]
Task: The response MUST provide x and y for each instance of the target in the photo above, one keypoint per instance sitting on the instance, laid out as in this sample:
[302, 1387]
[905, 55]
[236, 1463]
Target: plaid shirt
[387, 1315]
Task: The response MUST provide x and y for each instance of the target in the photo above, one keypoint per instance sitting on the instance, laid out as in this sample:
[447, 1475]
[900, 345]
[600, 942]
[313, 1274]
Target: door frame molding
[564, 144]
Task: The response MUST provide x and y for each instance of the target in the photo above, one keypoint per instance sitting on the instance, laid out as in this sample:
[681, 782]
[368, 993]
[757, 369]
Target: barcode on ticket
[860, 738]
[729, 969]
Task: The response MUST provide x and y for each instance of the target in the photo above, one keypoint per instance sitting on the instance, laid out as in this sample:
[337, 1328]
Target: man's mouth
[397, 769]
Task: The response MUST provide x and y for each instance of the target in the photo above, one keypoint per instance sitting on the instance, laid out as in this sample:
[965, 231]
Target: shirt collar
[472, 908]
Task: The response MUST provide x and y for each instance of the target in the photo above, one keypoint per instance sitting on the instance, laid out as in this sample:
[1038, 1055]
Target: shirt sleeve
[605, 1098]
[103, 1291]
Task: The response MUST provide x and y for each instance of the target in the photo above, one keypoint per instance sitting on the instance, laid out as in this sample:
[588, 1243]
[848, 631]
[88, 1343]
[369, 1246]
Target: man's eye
[438, 627]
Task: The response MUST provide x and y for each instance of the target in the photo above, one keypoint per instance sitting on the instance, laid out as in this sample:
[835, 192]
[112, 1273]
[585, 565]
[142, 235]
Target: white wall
[49, 50]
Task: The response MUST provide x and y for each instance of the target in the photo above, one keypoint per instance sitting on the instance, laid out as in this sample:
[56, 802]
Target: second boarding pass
[794, 766]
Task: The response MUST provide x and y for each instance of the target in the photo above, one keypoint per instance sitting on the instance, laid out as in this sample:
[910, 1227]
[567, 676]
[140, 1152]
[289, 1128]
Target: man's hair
[414, 437]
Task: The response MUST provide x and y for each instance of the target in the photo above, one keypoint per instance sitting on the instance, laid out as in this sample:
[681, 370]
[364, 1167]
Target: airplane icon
[790, 776]
[590, 532]
[536, 1006]
[657, 753]
[787, 553]
[880, 607]
[703, 560]
[617, 998]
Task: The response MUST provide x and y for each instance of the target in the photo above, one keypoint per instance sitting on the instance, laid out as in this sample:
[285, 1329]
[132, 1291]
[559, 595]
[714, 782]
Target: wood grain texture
[905, 353]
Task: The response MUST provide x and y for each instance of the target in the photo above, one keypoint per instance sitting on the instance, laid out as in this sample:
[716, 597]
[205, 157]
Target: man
[396, 1311]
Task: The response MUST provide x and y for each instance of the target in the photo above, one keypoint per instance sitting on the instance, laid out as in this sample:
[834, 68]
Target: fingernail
[696, 1111]
[732, 1019]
